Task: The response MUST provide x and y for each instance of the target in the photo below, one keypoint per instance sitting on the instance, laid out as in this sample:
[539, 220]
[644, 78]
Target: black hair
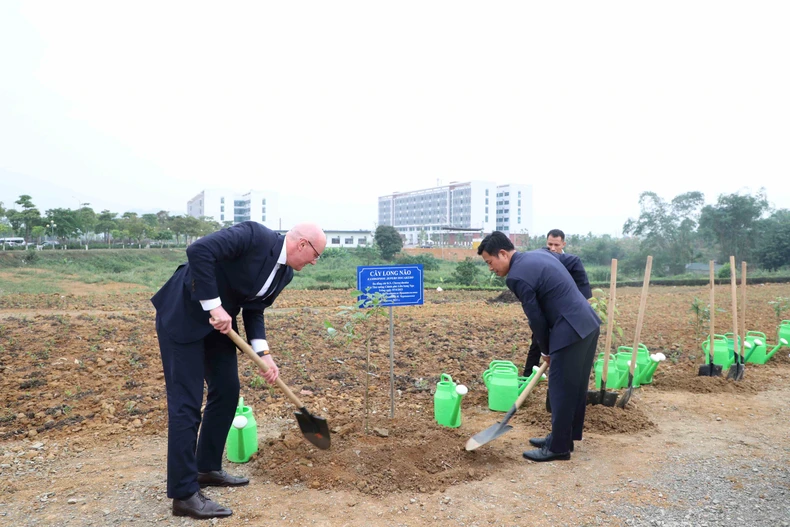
[495, 242]
[557, 234]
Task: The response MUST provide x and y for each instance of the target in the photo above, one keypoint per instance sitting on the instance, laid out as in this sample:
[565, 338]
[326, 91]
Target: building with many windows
[228, 207]
[457, 213]
[514, 211]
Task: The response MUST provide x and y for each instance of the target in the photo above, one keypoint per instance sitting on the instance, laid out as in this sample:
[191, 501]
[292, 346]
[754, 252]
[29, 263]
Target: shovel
[737, 369]
[710, 369]
[603, 397]
[494, 431]
[632, 364]
[315, 429]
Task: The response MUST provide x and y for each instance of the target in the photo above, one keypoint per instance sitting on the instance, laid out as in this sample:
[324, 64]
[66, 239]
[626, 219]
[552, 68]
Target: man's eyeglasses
[317, 254]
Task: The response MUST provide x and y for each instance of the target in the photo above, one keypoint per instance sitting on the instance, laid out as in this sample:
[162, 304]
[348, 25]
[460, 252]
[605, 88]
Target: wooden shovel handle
[743, 302]
[609, 321]
[733, 288]
[640, 318]
[712, 311]
[243, 346]
[532, 383]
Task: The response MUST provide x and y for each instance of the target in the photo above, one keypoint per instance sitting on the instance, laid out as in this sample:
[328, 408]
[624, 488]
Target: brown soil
[82, 374]
[505, 297]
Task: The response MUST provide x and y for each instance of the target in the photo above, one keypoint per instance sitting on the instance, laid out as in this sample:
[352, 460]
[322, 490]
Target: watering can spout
[782, 343]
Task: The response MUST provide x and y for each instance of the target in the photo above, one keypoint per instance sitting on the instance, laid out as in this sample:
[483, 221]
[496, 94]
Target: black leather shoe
[544, 454]
[540, 442]
[220, 478]
[199, 507]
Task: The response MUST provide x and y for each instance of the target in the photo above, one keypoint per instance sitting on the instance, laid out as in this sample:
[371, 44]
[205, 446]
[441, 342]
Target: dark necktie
[278, 276]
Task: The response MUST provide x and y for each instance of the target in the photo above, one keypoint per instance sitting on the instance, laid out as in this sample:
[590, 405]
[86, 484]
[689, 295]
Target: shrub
[466, 272]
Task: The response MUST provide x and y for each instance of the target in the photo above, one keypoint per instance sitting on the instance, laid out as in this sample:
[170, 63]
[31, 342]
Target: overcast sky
[140, 105]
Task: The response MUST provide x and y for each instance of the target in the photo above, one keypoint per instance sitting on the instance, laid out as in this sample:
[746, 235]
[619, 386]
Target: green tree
[133, 225]
[106, 222]
[29, 216]
[37, 233]
[732, 224]
[667, 230]
[466, 272]
[86, 220]
[598, 251]
[151, 221]
[773, 248]
[66, 221]
[388, 241]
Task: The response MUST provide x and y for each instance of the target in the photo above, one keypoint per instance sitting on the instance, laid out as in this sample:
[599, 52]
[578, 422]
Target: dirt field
[83, 420]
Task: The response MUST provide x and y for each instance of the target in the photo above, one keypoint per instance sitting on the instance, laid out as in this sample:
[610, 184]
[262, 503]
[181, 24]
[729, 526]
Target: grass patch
[150, 268]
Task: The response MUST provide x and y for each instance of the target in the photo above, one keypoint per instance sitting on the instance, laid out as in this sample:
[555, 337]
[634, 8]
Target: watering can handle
[445, 378]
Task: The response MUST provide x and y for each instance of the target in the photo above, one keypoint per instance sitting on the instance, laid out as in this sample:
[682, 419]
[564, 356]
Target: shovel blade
[736, 372]
[709, 370]
[315, 429]
[486, 436]
[601, 397]
[609, 399]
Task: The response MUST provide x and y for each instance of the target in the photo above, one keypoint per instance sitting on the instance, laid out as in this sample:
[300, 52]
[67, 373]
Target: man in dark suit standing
[565, 327]
[555, 242]
[239, 269]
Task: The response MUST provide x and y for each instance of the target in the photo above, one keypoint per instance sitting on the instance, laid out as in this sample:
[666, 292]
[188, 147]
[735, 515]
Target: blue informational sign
[402, 285]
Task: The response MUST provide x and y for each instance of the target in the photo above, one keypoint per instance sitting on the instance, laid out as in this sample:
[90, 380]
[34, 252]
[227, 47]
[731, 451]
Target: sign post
[401, 285]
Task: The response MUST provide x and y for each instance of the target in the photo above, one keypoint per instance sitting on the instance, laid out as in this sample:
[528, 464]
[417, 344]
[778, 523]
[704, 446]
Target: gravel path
[717, 491]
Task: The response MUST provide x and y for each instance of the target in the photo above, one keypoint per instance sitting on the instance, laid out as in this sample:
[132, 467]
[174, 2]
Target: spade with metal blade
[736, 371]
[494, 431]
[315, 429]
[603, 397]
[710, 369]
[632, 364]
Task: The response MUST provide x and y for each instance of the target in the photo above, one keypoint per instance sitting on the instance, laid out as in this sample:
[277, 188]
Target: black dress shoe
[199, 507]
[540, 442]
[220, 478]
[544, 454]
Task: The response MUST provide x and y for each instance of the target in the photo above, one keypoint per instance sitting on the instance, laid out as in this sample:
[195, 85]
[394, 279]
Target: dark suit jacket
[232, 264]
[574, 266]
[557, 311]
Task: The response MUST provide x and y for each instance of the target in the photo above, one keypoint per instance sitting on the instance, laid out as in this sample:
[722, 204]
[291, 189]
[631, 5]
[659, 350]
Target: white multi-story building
[454, 213]
[514, 209]
[228, 206]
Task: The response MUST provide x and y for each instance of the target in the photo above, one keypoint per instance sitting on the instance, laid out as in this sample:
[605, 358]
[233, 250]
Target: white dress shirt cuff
[259, 345]
[208, 305]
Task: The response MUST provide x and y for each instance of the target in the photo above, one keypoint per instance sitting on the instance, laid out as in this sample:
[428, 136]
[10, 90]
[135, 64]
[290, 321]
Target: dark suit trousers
[569, 376]
[186, 366]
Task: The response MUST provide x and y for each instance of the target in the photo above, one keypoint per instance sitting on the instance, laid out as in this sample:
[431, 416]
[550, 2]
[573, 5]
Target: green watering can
[242, 440]
[623, 359]
[731, 345]
[723, 354]
[758, 341]
[614, 377]
[650, 368]
[504, 384]
[447, 401]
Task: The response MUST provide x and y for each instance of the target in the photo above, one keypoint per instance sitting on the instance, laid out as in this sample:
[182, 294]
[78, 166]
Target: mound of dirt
[415, 456]
[598, 419]
[686, 380]
[505, 297]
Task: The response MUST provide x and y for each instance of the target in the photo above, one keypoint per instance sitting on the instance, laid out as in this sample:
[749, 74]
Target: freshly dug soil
[416, 455]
